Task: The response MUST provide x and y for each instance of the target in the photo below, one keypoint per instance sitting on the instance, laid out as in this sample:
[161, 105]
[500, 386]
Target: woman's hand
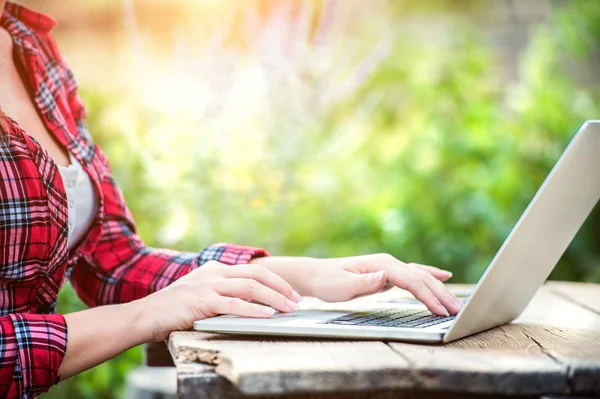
[343, 279]
[347, 278]
[211, 290]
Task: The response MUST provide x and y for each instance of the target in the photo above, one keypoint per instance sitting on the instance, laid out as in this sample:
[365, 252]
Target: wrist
[299, 272]
[142, 321]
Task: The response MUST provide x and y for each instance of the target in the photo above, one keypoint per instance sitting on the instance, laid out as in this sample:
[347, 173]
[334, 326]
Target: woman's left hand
[344, 279]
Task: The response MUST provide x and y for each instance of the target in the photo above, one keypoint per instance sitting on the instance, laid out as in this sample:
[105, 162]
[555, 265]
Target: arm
[92, 332]
[31, 349]
[342, 279]
[34, 349]
[93, 336]
[98, 334]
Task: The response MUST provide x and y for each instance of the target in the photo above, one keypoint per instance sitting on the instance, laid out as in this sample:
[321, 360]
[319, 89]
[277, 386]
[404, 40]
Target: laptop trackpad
[314, 315]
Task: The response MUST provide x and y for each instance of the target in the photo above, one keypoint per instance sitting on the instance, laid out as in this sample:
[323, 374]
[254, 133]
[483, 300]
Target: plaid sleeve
[32, 348]
[122, 268]
[125, 269]
[231, 254]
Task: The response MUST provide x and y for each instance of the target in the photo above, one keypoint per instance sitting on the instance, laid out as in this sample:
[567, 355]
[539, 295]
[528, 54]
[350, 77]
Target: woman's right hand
[211, 290]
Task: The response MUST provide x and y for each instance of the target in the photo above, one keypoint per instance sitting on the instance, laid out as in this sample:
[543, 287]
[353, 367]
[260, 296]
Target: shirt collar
[33, 21]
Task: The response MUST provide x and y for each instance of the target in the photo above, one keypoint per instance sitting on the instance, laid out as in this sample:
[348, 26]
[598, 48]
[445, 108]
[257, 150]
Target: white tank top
[82, 200]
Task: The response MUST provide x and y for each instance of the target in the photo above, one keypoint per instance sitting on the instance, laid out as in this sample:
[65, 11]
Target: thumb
[368, 283]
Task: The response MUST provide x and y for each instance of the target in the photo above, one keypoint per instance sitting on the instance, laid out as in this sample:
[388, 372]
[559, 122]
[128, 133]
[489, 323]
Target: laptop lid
[538, 240]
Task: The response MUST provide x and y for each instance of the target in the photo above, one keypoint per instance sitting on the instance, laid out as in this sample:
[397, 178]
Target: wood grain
[271, 366]
[553, 348]
[197, 381]
[554, 327]
[479, 371]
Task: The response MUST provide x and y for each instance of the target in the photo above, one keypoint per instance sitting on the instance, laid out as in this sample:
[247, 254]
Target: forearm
[99, 334]
[295, 270]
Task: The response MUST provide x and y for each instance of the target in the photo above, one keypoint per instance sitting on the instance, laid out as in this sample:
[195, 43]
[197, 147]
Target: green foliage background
[432, 158]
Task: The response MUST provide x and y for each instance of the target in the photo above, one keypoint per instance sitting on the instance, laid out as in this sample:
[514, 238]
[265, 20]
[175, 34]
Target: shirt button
[71, 183]
[70, 225]
[71, 204]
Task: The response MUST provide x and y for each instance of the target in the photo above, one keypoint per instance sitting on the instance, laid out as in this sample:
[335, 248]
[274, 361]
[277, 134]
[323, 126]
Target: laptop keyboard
[409, 318]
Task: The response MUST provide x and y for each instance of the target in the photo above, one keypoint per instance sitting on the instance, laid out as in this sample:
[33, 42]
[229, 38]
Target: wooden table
[552, 349]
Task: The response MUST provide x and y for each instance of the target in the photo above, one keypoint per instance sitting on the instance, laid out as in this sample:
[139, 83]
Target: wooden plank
[579, 350]
[552, 310]
[553, 348]
[479, 371]
[275, 366]
[585, 295]
[567, 332]
[559, 329]
[197, 381]
[540, 353]
[516, 358]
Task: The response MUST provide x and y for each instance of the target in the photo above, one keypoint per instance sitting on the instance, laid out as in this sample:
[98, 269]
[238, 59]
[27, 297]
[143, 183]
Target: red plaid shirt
[110, 265]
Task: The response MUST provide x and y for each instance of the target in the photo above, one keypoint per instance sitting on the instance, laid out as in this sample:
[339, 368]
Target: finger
[415, 286]
[360, 284]
[236, 306]
[249, 288]
[404, 276]
[439, 274]
[265, 277]
[386, 261]
[443, 294]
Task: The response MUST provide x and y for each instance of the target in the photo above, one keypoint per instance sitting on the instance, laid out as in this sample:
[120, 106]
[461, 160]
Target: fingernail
[296, 296]
[378, 276]
[458, 303]
[448, 273]
[446, 312]
[291, 305]
[268, 311]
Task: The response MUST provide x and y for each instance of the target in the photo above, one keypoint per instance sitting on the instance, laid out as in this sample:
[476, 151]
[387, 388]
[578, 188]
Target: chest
[38, 92]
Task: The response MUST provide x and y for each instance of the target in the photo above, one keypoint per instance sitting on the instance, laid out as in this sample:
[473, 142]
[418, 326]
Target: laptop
[523, 263]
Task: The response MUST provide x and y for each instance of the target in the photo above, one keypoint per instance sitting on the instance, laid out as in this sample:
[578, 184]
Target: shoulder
[31, 31]
[34, 21]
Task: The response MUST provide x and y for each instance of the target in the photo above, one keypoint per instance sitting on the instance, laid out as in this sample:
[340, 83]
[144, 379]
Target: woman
[62, 216]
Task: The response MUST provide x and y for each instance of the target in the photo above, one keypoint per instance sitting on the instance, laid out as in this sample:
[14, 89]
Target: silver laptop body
[520, 267]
